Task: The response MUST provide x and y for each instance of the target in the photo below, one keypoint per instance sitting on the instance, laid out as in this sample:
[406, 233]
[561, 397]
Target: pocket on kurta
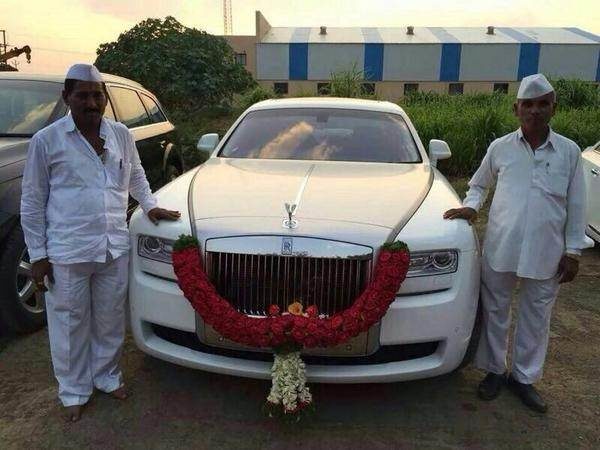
[554, 183]
[125, 175]
[120, 174]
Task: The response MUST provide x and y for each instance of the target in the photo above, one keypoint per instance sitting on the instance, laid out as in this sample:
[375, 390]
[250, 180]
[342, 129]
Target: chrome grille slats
[251, 283]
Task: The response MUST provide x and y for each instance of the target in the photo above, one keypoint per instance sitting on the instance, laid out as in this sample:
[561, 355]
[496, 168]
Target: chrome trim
[293, 278]
[303, 246]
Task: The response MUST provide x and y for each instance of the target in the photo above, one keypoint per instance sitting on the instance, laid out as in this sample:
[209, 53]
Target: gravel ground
[175, 407]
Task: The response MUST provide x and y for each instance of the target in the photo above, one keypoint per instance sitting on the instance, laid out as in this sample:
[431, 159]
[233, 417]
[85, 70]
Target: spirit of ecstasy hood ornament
[290, 222]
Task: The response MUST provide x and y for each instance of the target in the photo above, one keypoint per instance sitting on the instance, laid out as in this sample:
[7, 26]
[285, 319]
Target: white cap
[534, 86]
[84, 72]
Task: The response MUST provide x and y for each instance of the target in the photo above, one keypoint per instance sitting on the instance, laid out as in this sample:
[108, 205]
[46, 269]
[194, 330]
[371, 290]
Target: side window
[324, 88]
[410, 87]
[501, 87]
[455, 88]
[280, 88]
[240, 58]
[156, 115]
[131, 111]
[109, 112]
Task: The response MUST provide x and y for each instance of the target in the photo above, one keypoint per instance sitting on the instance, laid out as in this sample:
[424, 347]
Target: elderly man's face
[87, 101]
[535, 113]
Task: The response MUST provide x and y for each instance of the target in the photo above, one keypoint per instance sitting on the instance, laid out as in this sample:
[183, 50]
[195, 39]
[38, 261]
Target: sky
[62, 32]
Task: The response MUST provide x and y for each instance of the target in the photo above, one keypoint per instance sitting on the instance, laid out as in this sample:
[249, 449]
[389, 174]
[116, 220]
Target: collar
[70, 126]
[551, 139]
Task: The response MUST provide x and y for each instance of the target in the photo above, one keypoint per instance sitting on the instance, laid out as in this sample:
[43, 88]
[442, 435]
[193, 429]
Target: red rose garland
[277, 330]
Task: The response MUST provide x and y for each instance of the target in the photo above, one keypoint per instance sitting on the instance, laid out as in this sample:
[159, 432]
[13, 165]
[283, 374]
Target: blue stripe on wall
[529, 57]
[598, 68]
[450, 64]
[298, 65]
[373, 69]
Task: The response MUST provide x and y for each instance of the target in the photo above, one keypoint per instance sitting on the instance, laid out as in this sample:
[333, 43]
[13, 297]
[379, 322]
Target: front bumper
[445, 318]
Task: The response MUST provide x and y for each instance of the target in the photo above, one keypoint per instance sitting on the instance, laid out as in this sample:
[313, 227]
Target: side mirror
[208, 142]
[438, 150]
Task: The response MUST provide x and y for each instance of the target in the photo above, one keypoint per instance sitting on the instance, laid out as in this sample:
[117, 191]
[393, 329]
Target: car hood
[12, 150]
[384, 195]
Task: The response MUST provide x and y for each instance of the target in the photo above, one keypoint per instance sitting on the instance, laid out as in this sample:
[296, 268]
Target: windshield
[323, 134]
[26, 106]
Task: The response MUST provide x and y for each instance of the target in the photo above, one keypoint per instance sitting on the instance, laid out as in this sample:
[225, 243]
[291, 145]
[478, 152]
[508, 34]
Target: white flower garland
[289, 383]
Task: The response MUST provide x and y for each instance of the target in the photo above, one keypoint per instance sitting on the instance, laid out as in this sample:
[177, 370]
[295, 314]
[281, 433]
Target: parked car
[360, 176]
[591, 171]
[27, 104]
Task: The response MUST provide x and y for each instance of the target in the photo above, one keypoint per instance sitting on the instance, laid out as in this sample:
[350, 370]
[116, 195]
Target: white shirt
[73, 206]
[538, 209]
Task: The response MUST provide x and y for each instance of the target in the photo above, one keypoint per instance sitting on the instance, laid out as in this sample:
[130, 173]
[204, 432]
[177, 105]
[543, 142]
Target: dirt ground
[174, 407]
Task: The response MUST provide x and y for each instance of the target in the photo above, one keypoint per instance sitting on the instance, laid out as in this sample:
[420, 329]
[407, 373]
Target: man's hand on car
[468, 214]
[157, 214]
[39, 270]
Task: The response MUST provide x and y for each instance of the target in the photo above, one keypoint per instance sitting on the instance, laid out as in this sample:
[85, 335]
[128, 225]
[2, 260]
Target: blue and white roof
[429, 35]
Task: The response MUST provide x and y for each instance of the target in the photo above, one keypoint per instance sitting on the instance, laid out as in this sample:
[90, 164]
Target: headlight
[437, 262]
[155, 248]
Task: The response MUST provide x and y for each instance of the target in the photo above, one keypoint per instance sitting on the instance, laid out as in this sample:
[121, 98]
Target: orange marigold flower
[295, 308]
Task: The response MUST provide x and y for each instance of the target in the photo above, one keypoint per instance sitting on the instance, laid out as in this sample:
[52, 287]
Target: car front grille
[253, 282]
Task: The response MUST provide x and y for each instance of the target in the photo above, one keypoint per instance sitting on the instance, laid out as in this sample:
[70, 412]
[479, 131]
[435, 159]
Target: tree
[187, 68]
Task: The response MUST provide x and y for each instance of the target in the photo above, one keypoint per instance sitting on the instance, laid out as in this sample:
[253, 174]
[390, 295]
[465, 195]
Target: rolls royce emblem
[290, 222]
[287, 246]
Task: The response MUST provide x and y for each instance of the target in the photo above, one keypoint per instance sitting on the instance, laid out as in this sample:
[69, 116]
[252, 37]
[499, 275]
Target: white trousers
[86, 325]
[536, 298]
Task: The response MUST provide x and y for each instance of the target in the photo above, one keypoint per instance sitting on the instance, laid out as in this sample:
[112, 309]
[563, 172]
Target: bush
[576, 93]
[252, 96]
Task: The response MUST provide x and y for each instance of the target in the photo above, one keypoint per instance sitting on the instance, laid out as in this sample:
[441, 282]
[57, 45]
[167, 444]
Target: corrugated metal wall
[450, 60]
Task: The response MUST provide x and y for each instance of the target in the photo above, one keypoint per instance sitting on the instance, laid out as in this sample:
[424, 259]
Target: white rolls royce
[591, 174]
[293, 205]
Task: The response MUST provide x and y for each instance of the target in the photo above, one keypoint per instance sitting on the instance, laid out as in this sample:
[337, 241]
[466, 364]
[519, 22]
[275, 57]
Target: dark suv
[29, 103]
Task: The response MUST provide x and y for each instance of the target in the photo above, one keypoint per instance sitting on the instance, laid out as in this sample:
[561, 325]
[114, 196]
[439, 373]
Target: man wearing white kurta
[535, 234]
[79, 173]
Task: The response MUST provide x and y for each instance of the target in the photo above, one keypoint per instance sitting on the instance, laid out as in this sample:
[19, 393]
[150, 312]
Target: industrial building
[395, 61]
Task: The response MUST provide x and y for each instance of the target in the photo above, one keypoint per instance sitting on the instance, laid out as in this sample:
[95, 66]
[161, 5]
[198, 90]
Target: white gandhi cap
[534, 86]
[84, 72]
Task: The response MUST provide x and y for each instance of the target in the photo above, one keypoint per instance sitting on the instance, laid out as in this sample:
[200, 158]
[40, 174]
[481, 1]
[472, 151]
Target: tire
[475, 335]
[22, 310]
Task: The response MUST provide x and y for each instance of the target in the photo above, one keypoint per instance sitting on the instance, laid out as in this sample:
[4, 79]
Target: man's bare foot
[73, 413]
[120, 393]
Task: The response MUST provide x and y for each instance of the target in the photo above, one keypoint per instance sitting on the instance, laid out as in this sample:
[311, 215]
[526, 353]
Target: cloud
[134, 10]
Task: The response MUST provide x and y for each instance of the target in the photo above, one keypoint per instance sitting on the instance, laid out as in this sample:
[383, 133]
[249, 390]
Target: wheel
[22, 308]
[475, 335]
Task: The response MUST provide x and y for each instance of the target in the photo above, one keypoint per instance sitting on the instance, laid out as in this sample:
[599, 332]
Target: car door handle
[595, 172]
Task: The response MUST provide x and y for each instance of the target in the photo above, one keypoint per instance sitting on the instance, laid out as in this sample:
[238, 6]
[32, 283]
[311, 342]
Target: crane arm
[16, 52]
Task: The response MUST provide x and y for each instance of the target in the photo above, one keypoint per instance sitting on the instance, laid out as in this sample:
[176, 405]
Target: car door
[591, 168]
[172, 161]
[131, 112]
